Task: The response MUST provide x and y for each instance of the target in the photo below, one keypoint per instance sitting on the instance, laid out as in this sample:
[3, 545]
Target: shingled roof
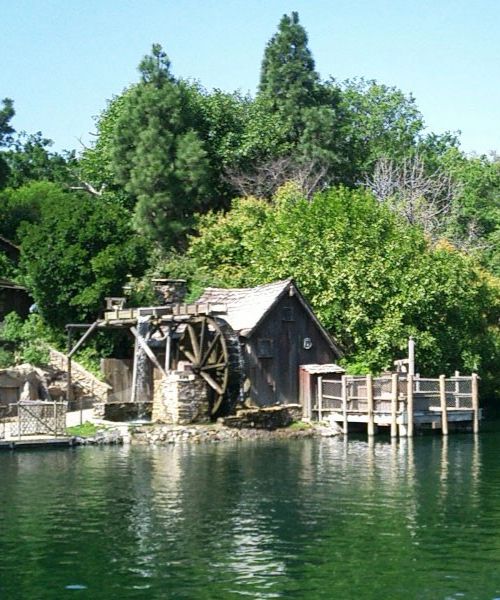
[247, 307]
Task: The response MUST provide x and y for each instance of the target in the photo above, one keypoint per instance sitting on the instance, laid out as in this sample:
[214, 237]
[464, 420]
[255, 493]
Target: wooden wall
[276, 349]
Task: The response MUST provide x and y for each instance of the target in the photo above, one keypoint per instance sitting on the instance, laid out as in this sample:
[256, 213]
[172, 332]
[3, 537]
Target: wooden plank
[444, 412]
[394, 405]
[369, 402]
[409, 405]
[475, 403]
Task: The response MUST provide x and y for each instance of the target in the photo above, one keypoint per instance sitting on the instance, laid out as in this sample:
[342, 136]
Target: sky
[60, 60]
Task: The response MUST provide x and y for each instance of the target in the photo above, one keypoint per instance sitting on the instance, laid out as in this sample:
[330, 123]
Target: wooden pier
[402, 403]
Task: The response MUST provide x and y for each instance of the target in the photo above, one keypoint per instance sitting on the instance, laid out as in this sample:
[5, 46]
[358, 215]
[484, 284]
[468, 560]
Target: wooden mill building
[279, 332]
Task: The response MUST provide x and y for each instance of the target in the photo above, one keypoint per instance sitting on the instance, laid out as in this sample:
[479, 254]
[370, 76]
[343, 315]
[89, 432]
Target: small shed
[11, 250]
[13, 297]
[279, 332]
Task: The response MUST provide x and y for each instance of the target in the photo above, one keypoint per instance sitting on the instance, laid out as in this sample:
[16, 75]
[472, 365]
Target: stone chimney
[169, 291]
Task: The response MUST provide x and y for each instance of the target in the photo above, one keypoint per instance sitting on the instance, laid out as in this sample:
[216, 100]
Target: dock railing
[397, 400]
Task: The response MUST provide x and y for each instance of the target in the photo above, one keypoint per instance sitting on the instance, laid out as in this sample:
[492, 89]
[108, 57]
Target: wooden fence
[399, 402]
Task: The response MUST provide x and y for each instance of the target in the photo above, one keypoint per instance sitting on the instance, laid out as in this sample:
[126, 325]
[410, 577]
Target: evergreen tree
[6, 131]
[288, 77]
[157, 154]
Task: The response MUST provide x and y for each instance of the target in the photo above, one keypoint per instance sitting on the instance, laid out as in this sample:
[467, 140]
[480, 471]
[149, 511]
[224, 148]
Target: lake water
[288, 519]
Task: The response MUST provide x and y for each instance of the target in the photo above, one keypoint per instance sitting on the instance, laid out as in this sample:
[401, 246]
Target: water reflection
[320, 519]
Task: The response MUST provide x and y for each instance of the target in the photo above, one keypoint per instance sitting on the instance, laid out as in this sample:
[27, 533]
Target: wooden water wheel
[213, 349]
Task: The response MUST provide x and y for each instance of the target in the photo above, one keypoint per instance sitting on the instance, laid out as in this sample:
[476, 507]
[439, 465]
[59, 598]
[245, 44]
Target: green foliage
[7, 358]
[372, 279]
[288, 78]
[29, 338]
[87, 429]
[157, 154]
[24, 205]
[30, 159]
[80, 251]
[6, 131]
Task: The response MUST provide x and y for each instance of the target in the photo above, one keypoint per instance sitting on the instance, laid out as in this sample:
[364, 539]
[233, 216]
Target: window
[287, 313]
[264, 348]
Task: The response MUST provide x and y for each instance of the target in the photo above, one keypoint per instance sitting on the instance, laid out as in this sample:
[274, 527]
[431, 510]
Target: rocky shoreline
[159, 434]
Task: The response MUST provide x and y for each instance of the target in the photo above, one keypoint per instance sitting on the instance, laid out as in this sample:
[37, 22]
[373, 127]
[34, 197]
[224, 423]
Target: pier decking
[403, 403]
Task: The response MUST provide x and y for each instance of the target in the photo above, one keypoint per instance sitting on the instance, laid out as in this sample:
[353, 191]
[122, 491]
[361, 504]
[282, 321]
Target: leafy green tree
[157, 154]
[6, 131]
[79, 251]
[24, 205]
[30, 159]
[372, 279]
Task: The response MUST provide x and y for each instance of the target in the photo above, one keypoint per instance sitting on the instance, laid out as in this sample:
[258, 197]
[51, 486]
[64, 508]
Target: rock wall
[91, 386]
[182, 399]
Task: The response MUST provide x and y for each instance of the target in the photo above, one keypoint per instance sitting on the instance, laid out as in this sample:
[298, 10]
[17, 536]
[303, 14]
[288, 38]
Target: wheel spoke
[194, 344]
[211, 346]
[214, 366]
[216, 404]
[211, 382]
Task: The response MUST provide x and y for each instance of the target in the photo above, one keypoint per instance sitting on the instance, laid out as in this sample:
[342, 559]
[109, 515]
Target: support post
[69, 394]
[394, 405]
[369, 402]
[320, 398]
[475, 403]
[133, 391]
[168, 350]
[345, 425]
[411, 356]
[409, 405]
[444, 411]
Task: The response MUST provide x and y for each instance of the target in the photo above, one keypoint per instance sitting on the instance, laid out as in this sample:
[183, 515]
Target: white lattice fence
[40, 418]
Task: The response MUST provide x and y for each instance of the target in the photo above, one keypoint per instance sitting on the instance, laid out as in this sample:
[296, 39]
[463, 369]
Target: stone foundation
[270, 418]
[122, 411]
[184, 400]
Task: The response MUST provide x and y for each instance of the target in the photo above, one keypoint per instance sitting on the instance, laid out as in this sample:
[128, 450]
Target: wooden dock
[402, 403]
[32, 442]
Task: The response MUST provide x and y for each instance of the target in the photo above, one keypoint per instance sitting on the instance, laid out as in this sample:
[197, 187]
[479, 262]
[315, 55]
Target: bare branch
[420, 197]
[268, 176]
[89, 188]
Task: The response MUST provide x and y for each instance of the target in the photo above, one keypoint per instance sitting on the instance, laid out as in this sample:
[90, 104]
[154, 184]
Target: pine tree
[288, 76]
[157, 154]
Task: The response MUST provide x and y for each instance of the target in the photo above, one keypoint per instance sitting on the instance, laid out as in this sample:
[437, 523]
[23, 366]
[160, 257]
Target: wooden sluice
[402, 403]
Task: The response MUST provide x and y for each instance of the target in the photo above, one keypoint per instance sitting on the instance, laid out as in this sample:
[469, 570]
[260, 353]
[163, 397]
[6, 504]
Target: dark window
[287, 313]
[264, 348]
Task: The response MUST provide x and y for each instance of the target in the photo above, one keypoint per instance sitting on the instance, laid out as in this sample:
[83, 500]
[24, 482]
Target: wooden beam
[394, 405]
[369, 402]
[409, 405]
[345, 425]
[475, 403]
[84, 337]
[444, 409]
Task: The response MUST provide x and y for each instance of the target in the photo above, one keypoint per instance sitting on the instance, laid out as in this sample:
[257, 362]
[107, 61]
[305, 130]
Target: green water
[293, 519]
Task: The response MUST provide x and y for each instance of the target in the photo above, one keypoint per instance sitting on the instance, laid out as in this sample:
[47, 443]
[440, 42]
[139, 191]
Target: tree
[6, 131]
[79, 251]
[24, 205]
[157, 154]
[30, 159]
[372, 279]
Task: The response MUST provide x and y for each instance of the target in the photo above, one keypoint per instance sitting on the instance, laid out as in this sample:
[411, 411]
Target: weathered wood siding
[276, 349]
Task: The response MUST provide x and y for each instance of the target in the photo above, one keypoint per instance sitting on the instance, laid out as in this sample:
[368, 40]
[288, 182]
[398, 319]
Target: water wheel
[213, 349]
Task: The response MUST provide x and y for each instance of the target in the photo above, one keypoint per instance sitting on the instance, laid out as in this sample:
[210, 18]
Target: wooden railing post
[394, 405]
[409, 405]
[369, 402]
[345, 425]
[444, 409]
[320, 398]
[475, 403]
